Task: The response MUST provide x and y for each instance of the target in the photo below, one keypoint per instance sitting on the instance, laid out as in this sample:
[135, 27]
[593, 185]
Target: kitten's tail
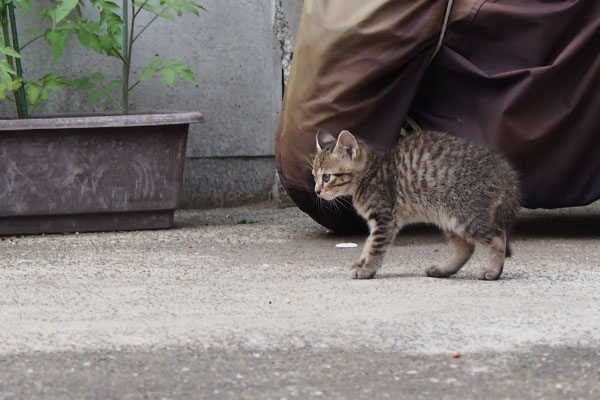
[506, 214]
[508, 252]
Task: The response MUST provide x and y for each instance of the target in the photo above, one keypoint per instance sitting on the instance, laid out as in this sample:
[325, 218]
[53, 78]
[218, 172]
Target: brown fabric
[522, 77]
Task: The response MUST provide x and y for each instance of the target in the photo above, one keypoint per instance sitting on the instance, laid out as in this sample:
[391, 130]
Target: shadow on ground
[582, 222]
[557, 226]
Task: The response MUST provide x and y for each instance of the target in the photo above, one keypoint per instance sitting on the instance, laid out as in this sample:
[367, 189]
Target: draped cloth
[519, 77]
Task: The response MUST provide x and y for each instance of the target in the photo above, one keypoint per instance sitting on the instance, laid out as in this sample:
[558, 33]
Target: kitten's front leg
[382, 231]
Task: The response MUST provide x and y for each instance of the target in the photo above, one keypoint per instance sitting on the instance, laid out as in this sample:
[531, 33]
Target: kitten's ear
[347, 145]
[324, 138]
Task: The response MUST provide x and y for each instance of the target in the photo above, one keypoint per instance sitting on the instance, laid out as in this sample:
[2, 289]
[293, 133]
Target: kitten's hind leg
[462, 252]
[497, 249]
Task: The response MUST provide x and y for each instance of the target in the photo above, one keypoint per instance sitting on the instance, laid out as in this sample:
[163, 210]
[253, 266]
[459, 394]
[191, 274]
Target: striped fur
[470, 192]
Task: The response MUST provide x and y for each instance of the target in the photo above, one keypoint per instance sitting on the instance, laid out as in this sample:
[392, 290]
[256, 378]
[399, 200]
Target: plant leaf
[64, 9]
[49, 77]
[168, 75]
[95, 95]
[173, 4]
[107, 44]
[109, 15]
[9, 51]
[44, 96]
[16, 84]
[147, 74]
[24, 4]
[53, 83]
[33, 92]
[95, 43]
[187, 75]
[167, 15]
[57, 39]
[82, 83]
[157, 63]
[6, 68]
[146, 6]
[106, 33]
[189, 6]
[97, 76]
[60, 12]
[116, 84]
[6, 77]
[85, 38]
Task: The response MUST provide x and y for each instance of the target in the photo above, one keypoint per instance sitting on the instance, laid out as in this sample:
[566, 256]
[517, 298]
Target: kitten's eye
[326, 177]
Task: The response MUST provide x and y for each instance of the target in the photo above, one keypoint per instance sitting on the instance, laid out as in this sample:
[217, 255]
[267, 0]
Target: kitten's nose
[318, 192]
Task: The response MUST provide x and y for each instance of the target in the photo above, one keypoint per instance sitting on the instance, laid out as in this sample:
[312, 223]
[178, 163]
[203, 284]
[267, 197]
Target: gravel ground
[256, 302]
[189, 373]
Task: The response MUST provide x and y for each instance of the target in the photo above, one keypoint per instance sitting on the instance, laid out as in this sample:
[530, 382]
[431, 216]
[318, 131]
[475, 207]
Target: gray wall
[236, 56]
[292, 9]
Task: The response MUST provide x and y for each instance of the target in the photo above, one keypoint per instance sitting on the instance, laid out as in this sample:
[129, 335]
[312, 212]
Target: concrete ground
[256, 303]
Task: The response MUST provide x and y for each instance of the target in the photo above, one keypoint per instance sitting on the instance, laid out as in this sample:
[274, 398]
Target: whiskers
[338, 205]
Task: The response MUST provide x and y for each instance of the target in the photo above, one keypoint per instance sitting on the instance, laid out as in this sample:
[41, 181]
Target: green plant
[63, 19]
[113, 33]
[11, 52]
[130, 33]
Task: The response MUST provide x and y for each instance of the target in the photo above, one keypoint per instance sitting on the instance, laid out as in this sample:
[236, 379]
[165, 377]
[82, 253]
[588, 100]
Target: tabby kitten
[471, 193]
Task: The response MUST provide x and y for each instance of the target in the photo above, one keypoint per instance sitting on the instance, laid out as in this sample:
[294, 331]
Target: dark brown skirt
[520, 77]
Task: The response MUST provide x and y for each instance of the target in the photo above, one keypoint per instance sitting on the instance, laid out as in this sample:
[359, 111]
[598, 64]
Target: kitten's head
[337, 164]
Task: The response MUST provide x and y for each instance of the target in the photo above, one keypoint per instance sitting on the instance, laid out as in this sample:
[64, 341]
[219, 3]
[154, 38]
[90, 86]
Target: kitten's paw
[358, 264]
[489, 274]
[363, 273]
[436, 272]
[360, 270]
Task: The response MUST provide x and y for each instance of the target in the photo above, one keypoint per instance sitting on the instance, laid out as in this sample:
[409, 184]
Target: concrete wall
[236, 55]
[292, 10]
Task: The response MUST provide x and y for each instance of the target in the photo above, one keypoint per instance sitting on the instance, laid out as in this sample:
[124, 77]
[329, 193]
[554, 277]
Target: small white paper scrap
[345, 245]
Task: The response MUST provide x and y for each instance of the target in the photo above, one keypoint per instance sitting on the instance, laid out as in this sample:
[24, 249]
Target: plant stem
[5, 34]
[110, 96]
[33, 39]
[140, 8]
[22, 97]
[117, 53]
[126, 57]
[156, 15]
[9, 59]
[134, 85]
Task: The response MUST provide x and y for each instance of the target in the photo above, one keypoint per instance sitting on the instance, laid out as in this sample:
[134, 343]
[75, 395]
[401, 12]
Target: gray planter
[82, 174]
